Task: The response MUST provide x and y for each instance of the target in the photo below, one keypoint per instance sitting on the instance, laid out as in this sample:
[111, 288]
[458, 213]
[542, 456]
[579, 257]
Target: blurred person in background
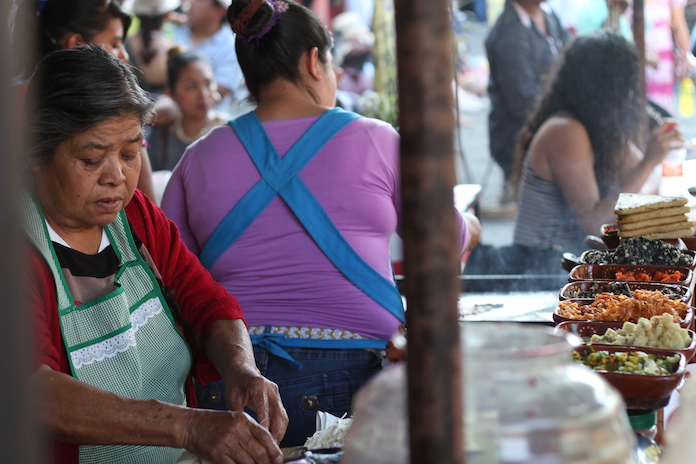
[61, 24]
[191, 85]
[148, 47]
[208, 32]
[521, 46]
[667, 50]
[580, 148]
[353, 52]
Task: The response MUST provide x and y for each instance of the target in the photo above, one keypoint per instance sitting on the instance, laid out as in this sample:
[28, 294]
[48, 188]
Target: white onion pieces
[329, 437]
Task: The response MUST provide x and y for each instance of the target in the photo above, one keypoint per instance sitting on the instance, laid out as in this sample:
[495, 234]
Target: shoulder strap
[279, 177]
[332, 243]
[275, 173]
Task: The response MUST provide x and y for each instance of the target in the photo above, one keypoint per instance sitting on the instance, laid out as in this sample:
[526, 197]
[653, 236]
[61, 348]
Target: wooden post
[639, 40]
[427, 124]
[19, 437]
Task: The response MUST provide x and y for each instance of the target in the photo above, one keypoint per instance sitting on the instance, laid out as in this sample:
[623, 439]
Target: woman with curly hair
[579, 149]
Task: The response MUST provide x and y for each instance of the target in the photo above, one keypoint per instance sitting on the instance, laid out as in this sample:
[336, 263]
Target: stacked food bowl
[632, 306]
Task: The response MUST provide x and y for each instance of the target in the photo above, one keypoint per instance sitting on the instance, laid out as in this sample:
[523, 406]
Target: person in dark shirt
[524, 42]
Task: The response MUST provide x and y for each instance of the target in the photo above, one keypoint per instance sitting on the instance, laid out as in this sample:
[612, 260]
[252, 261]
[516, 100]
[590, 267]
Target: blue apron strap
[275, 344]
[280, 175]
[245, 212]
[275, 173]
[329, 239]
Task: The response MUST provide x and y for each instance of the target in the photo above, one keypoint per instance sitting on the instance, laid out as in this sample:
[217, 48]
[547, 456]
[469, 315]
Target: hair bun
[248, 17]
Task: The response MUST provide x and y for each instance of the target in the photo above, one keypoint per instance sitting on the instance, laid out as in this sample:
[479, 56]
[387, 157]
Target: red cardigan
[202, 300]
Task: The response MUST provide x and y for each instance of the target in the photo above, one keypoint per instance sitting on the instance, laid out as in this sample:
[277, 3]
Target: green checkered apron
[125, 342]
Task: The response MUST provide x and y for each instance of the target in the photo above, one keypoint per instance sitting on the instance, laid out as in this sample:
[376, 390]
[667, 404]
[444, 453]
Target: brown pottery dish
[589, 288]
[585, 330]
[685, 322]
[608, 272]
[583, 259]
[642, 391]
[610, 235]
[690, 242]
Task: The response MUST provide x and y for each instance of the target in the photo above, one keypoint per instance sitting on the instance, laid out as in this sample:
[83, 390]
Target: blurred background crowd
[502, 50]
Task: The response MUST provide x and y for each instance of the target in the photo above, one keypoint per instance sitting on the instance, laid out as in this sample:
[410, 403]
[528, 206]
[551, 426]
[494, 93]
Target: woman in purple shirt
[291, 209]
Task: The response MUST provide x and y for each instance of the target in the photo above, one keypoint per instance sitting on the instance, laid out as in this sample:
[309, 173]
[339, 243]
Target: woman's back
[275, 270]
[544, 218]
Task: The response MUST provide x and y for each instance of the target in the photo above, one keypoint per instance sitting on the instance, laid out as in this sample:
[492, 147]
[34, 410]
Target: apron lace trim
[118, 343]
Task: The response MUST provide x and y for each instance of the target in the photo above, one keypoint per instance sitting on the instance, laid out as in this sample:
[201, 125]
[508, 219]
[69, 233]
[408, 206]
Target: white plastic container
[672, 168]
[526, 402]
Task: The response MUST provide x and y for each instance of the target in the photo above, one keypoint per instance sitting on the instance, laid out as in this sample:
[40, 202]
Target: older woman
[292, 209]
[124, 313]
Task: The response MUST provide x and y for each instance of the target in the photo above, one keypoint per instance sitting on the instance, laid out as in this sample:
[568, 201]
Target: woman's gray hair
[73, 90]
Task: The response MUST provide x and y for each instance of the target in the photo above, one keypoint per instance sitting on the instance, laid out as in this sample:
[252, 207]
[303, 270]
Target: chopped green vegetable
[630, 362]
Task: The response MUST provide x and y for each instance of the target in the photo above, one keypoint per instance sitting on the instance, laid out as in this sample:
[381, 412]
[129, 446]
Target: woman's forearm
[680, 29]
[229, 348]
[603, 212]
[76, 412]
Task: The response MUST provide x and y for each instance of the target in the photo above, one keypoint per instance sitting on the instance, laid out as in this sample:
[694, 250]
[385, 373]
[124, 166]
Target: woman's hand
[667, 136]
[104, 418]
[229, 348]
[229, 438]
[652, 58]
[259, 394]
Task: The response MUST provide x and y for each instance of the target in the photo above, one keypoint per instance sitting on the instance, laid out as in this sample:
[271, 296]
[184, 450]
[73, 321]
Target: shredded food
[330, 437]
[610, 307]
[658, 276]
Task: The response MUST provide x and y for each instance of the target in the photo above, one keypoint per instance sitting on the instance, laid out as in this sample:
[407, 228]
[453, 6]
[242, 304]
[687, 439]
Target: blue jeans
[327, 382]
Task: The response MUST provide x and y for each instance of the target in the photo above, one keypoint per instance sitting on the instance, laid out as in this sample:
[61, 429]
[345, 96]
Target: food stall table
[532, 307]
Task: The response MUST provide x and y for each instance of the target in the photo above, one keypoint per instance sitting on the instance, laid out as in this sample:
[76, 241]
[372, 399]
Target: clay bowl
[608, 272]
[571, 290]
[686, 321]
[583, 259]
[690, 242]
[642, 391]
[610, 235]
[585, 330]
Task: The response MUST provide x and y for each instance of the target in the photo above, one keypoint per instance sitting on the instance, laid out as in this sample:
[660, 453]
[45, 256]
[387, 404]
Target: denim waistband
[276, 342]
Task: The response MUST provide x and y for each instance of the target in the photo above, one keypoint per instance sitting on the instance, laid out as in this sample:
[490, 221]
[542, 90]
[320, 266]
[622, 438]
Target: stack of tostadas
[653, 216]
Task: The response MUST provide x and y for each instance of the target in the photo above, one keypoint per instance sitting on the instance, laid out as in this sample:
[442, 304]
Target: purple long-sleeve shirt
[275, 270]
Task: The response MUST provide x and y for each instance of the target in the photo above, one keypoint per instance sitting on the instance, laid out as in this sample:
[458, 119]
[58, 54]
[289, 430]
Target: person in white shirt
[209, 33]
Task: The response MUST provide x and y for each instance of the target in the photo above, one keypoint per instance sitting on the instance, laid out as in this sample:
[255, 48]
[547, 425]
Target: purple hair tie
[279, 7]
